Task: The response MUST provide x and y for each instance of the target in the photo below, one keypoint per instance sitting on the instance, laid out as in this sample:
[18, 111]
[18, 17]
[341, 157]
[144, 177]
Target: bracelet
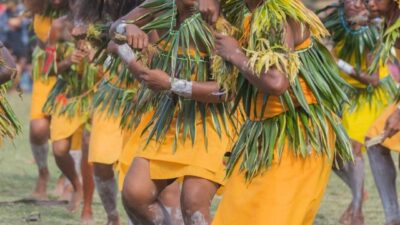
[181, 87]
[126, 53]
[345, 67]
[121, 28]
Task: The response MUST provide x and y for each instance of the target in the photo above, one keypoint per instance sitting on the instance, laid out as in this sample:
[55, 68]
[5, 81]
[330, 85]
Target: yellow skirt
[378, 127]
[187, 160]
[106, 139]
[288, 193]
[62, 127]
[359, 121]
[40, 92]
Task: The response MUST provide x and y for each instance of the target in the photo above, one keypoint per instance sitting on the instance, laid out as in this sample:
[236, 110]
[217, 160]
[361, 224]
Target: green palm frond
[183, 53]
[10, 126]
[383, 54]
[73, 91]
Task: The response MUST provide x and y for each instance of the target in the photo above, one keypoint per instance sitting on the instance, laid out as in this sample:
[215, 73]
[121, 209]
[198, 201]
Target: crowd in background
[17, 36]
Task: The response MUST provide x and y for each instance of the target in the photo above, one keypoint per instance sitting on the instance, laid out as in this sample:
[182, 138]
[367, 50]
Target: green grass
[18, 173]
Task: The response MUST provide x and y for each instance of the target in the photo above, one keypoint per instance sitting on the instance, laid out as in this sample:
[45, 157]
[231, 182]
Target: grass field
[18, 173]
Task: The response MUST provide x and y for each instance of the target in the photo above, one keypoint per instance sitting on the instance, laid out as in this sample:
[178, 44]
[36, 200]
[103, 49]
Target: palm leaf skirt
[9, 124]
[303, 125]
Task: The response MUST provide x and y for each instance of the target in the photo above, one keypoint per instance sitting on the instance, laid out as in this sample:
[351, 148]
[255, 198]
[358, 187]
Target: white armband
[345, 67]
[121, 28]
[126, 53]
[181, 87]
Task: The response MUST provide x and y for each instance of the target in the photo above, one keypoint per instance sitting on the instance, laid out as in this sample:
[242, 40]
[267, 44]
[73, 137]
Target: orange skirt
[40, 92]
[106, 139]
[378, 127]
[287, 193]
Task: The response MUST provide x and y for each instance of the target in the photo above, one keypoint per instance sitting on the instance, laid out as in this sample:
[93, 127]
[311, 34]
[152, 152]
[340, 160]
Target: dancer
[350, 26]
[280, 164]
[44, 13]
[384, 135]
[189, 129]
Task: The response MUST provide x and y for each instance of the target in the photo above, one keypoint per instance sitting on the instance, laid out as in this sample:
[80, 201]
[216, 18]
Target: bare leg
[352, 173]
[39, 137]
[66, 164]
[87, 181]
[140, 195]
[170, 198]
[59, 188]
[197, 194]
[106, 187]
[384, 172]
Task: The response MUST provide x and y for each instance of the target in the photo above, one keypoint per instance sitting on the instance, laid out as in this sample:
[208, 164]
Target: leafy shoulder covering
[262, 36]
[356, 43]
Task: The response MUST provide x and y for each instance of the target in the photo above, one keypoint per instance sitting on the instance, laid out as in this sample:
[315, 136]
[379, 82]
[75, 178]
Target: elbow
[277, 86]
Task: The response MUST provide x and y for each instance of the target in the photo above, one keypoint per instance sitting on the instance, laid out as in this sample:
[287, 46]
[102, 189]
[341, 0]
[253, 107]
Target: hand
[156, 80]
[368, 79]
[226, 46]
[135, 37]
[77, 56]
[392, 125]
[209, 10]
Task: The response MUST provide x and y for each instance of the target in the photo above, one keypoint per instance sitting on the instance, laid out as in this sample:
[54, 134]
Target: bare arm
[9, 68]
[208, 92]
[56, 35]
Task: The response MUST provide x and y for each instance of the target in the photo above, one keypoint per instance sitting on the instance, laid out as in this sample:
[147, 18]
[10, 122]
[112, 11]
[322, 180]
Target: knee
[134, 197]
[39, 132]
[60, 149]
[192, 202]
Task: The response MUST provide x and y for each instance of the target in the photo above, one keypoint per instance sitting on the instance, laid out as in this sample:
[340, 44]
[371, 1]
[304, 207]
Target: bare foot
[59, 189]
[41, 186]
[357, 220]
[67, 192]
[76, 199]
[345, 219]
[87, 217]
[113, 221]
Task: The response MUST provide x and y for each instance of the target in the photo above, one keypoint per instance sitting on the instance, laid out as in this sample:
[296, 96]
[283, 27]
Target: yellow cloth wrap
[76, 140]
[188, 160]
[287, 193]
[358, 122]
[41, 27]
[106, 139]
[40, 92]
[378, 127]
[274, 105]
[41, 89]
[62, 127]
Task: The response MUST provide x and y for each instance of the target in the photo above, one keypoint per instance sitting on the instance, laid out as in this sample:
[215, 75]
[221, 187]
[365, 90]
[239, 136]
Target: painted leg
[140, 195]
[39, 136]
[87, 181]
[106, 187]
[384, 172]
[197, 195]
[170, 197]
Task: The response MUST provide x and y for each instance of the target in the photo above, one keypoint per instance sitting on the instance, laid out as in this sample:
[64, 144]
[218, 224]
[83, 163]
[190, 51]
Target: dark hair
[95, 10]
[36, 6]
